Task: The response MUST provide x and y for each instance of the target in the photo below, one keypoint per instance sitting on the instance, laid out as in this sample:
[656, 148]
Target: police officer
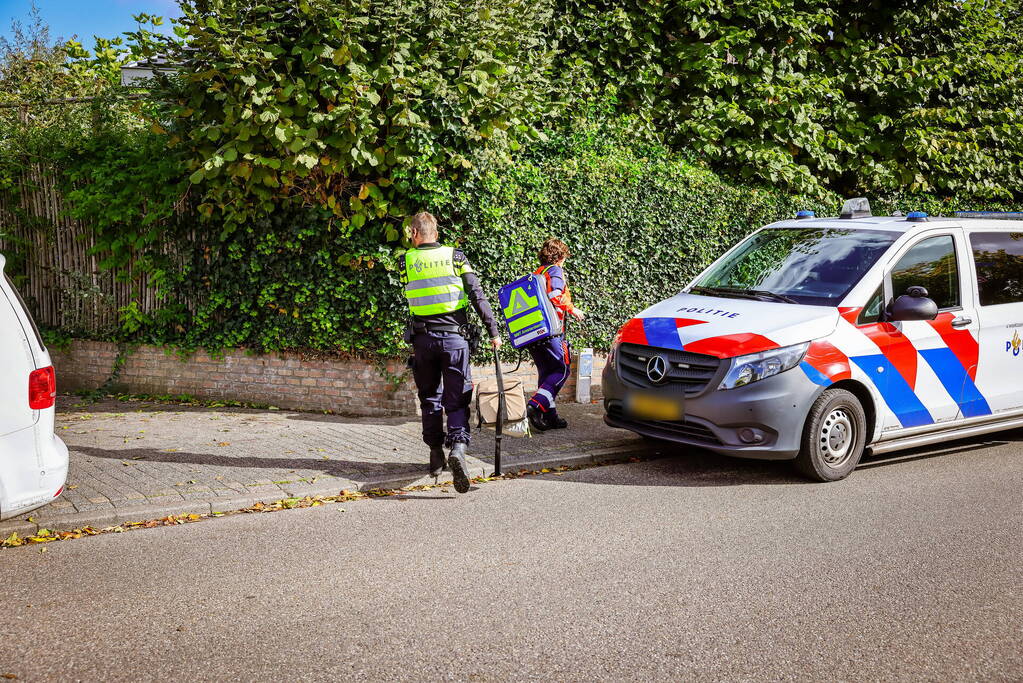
[439, 286]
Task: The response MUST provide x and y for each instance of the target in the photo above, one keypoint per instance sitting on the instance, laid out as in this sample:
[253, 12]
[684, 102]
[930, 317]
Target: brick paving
[140, 460]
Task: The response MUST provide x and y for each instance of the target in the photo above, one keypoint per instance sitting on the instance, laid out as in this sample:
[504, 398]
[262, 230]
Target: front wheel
[833, 438]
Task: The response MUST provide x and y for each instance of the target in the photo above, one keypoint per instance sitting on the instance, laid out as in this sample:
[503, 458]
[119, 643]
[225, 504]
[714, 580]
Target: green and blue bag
[528, 312]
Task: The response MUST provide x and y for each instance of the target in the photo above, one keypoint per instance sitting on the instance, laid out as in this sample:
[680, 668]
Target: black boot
[437, 461]
[536, 418]
[459, 469]
[553, 420]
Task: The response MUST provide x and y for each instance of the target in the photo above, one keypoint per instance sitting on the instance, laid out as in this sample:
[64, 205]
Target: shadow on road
[685, 466]
[926, 452]
[347, 469]
[406, 496]
[72, 404]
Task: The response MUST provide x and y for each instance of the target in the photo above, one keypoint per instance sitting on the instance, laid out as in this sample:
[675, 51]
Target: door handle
[962, 322]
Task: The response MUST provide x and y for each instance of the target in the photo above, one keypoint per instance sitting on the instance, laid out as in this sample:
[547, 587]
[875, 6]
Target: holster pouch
[471, 334]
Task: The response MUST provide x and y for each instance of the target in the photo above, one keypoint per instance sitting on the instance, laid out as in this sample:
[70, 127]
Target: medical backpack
[528, 312]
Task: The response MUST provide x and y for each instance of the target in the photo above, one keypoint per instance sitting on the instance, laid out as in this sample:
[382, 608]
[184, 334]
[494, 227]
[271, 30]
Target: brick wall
[286, 380]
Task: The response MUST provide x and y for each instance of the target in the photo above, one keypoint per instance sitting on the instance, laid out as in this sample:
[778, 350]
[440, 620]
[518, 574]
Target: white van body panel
[33, 460]
[710, 317]
[18, 361]
[1000, 368]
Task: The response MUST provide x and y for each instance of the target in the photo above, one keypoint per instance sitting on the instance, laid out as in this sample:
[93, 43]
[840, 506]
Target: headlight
[757, 366]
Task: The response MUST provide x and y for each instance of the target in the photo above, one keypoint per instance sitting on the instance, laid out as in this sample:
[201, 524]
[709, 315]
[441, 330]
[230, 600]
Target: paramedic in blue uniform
[552, 356]
[439, 287]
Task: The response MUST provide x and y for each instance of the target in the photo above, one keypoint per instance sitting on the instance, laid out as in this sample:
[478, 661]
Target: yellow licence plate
[648, 407]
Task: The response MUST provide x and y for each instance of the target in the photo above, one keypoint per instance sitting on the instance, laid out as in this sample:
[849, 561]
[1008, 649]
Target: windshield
[816, 266]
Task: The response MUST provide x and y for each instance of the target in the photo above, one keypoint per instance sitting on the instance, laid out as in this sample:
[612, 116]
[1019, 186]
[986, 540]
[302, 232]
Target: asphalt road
[689, 567]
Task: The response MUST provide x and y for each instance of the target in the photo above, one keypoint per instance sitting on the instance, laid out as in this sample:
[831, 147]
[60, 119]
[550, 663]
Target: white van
[33, 460]
[817, 338]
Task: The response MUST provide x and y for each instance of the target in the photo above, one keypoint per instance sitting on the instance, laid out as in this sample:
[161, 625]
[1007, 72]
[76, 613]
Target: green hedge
[638, 227]
[640, 222]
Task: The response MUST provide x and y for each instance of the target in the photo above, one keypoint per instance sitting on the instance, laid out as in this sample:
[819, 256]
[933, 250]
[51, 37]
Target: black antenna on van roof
[858, 207]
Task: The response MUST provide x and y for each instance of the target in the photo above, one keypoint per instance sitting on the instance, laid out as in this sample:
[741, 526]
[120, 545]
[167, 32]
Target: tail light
[42, 388]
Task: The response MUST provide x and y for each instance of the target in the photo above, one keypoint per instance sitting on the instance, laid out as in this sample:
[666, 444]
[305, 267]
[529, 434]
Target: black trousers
[440, 367]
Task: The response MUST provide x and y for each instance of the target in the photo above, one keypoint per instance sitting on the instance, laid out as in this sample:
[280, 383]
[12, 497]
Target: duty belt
[420, 326]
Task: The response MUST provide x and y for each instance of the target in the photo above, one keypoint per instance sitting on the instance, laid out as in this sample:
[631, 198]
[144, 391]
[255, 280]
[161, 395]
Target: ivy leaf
[307, 160]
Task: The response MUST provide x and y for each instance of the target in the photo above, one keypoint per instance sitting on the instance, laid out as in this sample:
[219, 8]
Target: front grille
[691, 379]
[688, 430]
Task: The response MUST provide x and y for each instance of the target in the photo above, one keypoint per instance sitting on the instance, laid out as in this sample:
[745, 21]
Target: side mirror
[913, 305]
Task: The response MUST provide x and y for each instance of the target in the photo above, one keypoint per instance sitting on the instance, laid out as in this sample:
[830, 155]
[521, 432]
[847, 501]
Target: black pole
[498, 428]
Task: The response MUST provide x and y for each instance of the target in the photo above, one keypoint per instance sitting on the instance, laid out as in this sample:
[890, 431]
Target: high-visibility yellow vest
[433, 282]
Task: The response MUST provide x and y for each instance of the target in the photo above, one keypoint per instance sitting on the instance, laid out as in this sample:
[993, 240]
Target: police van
[815, 339]
[33, 460]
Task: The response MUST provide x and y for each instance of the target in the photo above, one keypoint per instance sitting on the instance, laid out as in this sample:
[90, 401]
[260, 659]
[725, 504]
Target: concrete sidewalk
[133, 461]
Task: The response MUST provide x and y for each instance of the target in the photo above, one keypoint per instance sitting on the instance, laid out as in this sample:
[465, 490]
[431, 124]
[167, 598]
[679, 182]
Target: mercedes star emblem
[656, 369]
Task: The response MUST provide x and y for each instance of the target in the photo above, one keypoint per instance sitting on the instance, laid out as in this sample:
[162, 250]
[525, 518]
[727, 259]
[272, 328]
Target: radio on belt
[528, 313]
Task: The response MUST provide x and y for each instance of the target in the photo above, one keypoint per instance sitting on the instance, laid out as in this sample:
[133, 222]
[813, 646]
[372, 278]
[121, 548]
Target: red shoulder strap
[542, 270]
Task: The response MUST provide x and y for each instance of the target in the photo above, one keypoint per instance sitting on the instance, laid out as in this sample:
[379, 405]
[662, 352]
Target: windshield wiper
[772, 295]
[719, 291]
[755, 294]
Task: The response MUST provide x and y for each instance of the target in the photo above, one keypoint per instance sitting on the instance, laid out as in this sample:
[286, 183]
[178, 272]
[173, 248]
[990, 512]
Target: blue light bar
[997, 215]
[916, 216]
[805, 214]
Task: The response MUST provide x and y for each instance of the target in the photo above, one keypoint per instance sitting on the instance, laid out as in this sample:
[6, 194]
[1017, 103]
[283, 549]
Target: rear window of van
[999, 259]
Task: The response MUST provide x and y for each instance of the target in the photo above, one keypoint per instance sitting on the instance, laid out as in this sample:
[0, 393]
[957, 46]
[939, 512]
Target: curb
[477, 468]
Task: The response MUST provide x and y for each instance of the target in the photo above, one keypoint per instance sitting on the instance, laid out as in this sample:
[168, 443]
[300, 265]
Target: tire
[833, 437]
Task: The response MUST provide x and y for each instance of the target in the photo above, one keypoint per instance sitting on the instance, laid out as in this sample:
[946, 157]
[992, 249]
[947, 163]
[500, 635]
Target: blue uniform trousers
[440, 367]
[553, 361]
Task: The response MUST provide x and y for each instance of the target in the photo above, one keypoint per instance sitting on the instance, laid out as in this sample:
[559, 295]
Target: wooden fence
[59, 276]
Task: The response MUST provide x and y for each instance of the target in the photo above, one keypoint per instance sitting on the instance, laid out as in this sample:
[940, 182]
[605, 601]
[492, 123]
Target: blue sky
[85, 18]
